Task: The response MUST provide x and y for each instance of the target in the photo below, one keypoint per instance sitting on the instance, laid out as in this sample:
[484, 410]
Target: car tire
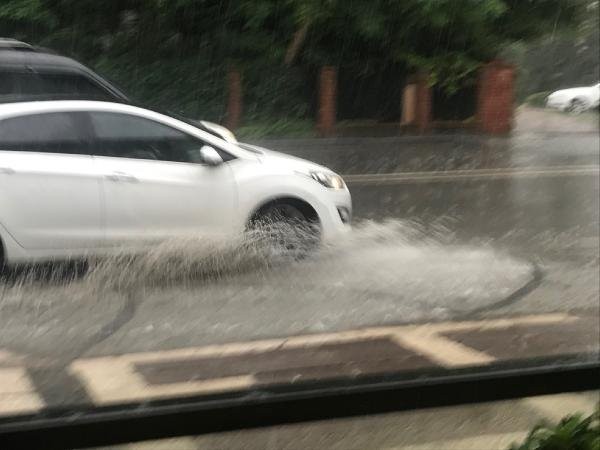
[287, 231]
[577, 106]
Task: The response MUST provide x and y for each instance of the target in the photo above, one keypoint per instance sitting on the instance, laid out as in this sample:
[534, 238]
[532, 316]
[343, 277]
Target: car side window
[128, 136]
[59, 132]
[72, 84]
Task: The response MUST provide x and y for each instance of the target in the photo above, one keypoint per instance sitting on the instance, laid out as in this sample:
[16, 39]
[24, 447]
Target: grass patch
[538, 99]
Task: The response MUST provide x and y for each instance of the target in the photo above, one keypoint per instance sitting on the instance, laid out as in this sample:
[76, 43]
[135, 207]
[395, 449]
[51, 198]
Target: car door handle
[121, 177]
[7, 170]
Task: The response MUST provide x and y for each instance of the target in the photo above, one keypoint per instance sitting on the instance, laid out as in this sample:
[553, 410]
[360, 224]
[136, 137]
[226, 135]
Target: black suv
[29, 73]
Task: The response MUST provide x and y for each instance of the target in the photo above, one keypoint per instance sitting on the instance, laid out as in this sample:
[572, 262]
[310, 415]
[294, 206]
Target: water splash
[218, 291]
[186, 262]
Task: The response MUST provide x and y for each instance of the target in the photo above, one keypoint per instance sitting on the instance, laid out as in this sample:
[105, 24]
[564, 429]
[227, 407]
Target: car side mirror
[210, 156]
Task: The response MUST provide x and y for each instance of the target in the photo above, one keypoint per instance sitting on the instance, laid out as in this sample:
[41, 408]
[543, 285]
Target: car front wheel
[286, 231]
[577, 106]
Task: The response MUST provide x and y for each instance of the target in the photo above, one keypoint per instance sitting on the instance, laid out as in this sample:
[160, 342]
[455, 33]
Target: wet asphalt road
[528, 212]
[550, 217]
[423, 250]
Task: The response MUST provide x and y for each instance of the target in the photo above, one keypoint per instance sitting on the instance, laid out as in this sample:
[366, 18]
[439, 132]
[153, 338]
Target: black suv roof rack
[13, 44]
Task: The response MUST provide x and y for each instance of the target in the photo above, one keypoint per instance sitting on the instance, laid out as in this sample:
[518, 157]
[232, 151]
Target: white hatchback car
[82, 177]
[575, 100]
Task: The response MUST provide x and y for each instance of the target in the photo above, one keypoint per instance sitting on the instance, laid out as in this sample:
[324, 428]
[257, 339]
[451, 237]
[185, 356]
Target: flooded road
[384, 273]
[421, 250]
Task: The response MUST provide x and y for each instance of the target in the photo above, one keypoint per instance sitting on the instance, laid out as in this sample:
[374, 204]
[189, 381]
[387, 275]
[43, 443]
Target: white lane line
[17, 394]
[539, 319]
[450, 175]
[428, 341]
[441, 350]
[114, 379]
[239, 348]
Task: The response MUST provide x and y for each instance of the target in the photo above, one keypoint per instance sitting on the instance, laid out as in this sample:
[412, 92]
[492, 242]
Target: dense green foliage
[174, 53]
[560, 60]
[572, 433]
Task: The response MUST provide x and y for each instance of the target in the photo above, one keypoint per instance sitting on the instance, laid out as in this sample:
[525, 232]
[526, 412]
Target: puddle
[189, 292]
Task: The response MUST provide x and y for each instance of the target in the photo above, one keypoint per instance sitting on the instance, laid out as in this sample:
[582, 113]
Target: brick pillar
[327, 100]
[409, 104]
[423, 102]
[234, 100]
[495, 103]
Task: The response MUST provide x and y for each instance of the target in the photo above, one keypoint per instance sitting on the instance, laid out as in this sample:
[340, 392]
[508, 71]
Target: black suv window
[31, 84]
[60, 132]
[8, 84]
[127, 136]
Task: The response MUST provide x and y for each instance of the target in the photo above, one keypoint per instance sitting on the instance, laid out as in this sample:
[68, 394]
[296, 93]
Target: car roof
[36, 59]
[13, 43]
[45, 103]
[35, 107]
[14, 57]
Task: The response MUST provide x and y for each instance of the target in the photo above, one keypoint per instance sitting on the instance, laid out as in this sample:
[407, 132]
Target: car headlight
[329, 180]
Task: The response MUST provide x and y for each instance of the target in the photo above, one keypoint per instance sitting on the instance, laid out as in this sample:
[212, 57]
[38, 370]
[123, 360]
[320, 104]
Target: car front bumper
[555, 103]
[335, 215]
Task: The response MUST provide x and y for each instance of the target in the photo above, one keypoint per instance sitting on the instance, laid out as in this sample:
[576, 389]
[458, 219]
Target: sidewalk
[540, 120]
[541, 138]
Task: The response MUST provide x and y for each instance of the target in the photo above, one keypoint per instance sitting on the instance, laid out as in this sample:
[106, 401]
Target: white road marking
[114, 379]
[474, 174]
[239, 348]
[8, 358]
[539, 319]
[17, 393]
[428, 341]
[441, 350]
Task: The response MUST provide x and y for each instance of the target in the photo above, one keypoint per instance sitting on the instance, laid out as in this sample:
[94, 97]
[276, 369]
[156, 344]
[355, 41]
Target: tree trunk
[295, 45]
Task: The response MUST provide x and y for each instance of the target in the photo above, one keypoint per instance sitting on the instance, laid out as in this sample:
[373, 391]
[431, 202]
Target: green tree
[174, 52]
[560, 59]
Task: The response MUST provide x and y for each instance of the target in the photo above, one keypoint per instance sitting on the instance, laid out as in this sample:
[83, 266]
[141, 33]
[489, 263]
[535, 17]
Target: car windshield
[369, 191]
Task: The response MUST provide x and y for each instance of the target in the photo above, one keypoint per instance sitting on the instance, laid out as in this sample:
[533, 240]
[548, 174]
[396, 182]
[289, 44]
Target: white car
[575, 100]
[84, 177]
